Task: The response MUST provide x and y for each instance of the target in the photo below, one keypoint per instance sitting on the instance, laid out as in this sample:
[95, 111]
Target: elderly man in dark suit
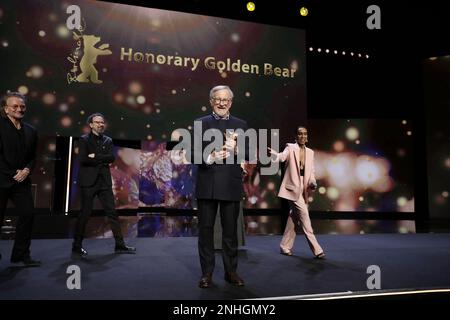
[219, 185]
[96, 153]
[18, 141]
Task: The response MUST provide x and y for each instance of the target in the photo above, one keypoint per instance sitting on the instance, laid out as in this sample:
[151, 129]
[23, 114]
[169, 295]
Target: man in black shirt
[219, 185]
[18, 142]
[96, 153]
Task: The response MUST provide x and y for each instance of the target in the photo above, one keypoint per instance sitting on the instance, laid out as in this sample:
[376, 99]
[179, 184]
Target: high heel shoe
[320, 256]
[286, 252]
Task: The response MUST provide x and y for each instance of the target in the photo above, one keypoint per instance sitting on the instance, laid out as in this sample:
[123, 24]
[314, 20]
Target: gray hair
[10, 94]
[221, 87]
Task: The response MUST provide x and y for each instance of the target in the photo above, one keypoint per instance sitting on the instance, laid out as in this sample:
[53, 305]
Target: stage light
[311, 48]
[235, 37]
[62, 31]
[36, 72]
[351, 53]
[404, 122]
[131, 100]
[332, 193]
[447, 162]
[66, 121]
[303, 11]
[367, 56]
[23, 89]
[63, 107]
[49, 98]
[343, 53]
[445, 194]
[251, 6]
[338, 146]
[352, 133]
[335, 51]
[140, 99]
[319, 50]
[327, 51]
[135, 87]
[41, 33]
[367, 172]
[359, 55]
[401, 201]
[147, 109]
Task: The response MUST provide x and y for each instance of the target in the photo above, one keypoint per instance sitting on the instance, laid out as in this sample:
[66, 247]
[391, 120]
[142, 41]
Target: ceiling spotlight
[367, 56]
[359, 55]
[327, 50]
[319, 50]
[303, 11]
[351, 53]
[335, 51]
[251, 6]
[311, 49]
[343, 53]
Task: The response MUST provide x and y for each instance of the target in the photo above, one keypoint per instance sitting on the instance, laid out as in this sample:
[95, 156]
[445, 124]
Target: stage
[168, 268]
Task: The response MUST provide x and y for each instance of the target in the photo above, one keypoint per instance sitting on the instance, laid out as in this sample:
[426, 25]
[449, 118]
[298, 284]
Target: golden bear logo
[89, 58]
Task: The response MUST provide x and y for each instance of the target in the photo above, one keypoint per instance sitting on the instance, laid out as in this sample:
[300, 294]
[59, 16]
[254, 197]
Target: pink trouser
[299, 215]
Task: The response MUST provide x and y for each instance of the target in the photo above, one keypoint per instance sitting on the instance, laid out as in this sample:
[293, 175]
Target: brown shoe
[205, 281]
[233, 278]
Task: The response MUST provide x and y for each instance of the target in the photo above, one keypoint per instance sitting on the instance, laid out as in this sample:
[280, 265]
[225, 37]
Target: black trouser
[106, 197]
[229, 212]
[20, 195]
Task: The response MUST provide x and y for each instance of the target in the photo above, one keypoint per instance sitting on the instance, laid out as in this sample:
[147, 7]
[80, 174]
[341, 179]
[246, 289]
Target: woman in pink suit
[298, 181]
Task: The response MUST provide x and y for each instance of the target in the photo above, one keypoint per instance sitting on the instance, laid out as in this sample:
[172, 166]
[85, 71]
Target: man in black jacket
[18, 141]
[219, 185]
[95, 154]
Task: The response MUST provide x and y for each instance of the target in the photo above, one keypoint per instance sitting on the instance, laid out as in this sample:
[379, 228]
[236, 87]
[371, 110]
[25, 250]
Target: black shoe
[320, 256]
[233, 278]
[26, 262]
[79, 251]
[205, 281]
[125, 249]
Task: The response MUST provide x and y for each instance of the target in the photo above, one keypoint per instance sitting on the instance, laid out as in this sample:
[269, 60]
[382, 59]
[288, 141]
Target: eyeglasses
[15, 107]
[218, 100]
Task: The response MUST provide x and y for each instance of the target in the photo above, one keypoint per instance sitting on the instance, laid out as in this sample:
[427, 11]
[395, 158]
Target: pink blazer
[290, 187]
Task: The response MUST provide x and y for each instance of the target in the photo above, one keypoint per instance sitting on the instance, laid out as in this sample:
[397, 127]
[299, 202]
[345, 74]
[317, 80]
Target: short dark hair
[90, 119]
[298, 127]
[10, 94]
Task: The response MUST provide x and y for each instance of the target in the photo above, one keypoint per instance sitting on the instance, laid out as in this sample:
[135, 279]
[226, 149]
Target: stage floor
[168, 268]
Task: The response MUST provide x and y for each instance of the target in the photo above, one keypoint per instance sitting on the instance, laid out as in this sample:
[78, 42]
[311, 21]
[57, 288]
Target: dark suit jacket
[9, 161]
[91, 168]
[220, 181]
